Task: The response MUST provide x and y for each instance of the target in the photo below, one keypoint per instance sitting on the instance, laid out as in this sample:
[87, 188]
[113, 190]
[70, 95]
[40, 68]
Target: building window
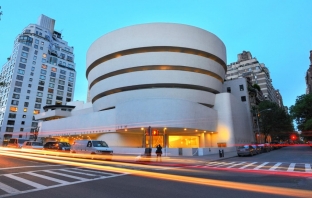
[70, 89]
[59, 92]
[14, 102]
[31, 73]
[18, 83]
[23, 122]
[36, 112]
[28, 91]
[44, 55]
[68, 99]
[23, 60]
[13, 109]
[12, 115]
[36, 52]
[35, 58]
[43, 71]
[17, 90]
[53, 69]
[29, 85]
[52, 79]
[11, 122]
[43, 66]
[51, 85]
[63, 71]
[24, 116]
[9, 129]
[39, 94]
[71, 79]
[27, 97]
[21, 65]
[37, 106]
[241, 87]
[20, 71]
[34, 124]
[71, 74]
[26, 104]
[18, 77]
[38, 99]
[16, 96]
[60, 87]
[70, 84]
[30, 79]
[25, 110]
[36, 46]
[40, 88]
[243, 98]
[50, 96]
[228, 89]
[61, 82]
[50, 90]
[21, 129]
[42, 77]
[59, 98]
[53, 74]
[41, 82]
[32, 68]
[36, 40]
[49, 101]
[69, 94]
[25, 48]
[62, 77]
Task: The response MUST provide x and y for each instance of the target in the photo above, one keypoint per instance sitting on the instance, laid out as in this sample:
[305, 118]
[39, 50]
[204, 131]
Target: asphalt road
[225, 178]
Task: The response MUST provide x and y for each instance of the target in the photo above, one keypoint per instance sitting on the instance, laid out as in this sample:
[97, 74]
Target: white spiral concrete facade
[157, 60]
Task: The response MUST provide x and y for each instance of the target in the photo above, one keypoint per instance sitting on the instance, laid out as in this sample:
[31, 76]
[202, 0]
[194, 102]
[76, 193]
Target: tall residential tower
[40, 71]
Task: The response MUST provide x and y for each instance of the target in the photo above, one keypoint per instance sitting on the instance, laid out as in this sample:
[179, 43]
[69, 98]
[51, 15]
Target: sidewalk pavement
[174, 160]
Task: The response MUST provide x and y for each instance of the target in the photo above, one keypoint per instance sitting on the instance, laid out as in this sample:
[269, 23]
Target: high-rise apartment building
[248, 66]
[309, 76]
[40, 71]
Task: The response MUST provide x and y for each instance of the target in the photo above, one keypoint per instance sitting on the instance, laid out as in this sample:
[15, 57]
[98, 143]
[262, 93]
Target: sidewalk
[173, 160]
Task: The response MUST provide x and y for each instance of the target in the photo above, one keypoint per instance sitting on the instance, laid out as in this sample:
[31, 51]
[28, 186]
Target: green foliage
[256, 86]
[275, 122]
[301, 112]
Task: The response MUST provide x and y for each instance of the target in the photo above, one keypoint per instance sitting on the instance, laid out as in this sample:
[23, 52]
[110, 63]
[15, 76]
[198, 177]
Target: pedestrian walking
[158, 152]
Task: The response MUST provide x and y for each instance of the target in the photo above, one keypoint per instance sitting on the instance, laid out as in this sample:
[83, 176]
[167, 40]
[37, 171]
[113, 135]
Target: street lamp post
[165, 142]
[258, 113]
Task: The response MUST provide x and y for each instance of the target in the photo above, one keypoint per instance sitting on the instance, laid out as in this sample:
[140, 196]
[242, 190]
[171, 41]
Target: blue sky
[278, 33]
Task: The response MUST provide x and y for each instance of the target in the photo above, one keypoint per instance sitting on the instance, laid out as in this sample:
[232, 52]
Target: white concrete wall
[233, 121]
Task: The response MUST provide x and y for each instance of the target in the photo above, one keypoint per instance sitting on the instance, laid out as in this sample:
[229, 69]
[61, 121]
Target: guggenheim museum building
[163, 75]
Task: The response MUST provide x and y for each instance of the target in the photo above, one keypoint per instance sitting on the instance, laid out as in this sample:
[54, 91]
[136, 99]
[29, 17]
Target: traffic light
[293, 137]
[155, 132]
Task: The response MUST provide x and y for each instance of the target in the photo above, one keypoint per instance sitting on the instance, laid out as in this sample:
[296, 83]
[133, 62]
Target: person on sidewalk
[158, 152]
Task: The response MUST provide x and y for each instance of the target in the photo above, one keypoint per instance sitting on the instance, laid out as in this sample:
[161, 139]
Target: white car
[32, 145]
[93, 147]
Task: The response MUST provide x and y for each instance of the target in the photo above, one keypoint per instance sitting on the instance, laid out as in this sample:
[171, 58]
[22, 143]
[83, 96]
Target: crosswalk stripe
[26, 181]
[291, 167]
[236, 165]
[8, 189]
[308, 168]
[226, 164]
[48, 178]
[70, 176]
[275, 166]
[70, 171]
[243, 167]
[93, 171]
[261, 165]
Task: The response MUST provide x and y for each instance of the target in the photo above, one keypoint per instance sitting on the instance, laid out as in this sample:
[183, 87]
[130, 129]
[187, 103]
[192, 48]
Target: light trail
[186, 179]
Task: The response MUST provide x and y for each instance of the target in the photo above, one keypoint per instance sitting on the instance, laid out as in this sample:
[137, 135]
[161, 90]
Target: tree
[301, 112]
[274, 121]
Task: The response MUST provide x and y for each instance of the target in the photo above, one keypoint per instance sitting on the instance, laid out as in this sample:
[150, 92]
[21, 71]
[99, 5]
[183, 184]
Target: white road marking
[308, 168]
[26, 181]
[236, 165]
[70, 176]
[275, 166]
[291, 167]
[70, 171]
[8, 189]
[48, 178]
[225, 164]
[27, 167]
[243, 167]
[93, 171]
[261, 165]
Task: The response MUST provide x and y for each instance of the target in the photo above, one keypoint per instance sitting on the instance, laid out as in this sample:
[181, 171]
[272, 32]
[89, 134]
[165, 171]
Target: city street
[282, 172]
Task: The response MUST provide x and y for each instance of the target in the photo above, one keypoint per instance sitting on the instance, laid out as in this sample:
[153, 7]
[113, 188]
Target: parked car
[93, 147]
[275, 145]
[265, 147]
[57, 146]
[246, 150]
[32, 145]
[257, 148]
[16, 142]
